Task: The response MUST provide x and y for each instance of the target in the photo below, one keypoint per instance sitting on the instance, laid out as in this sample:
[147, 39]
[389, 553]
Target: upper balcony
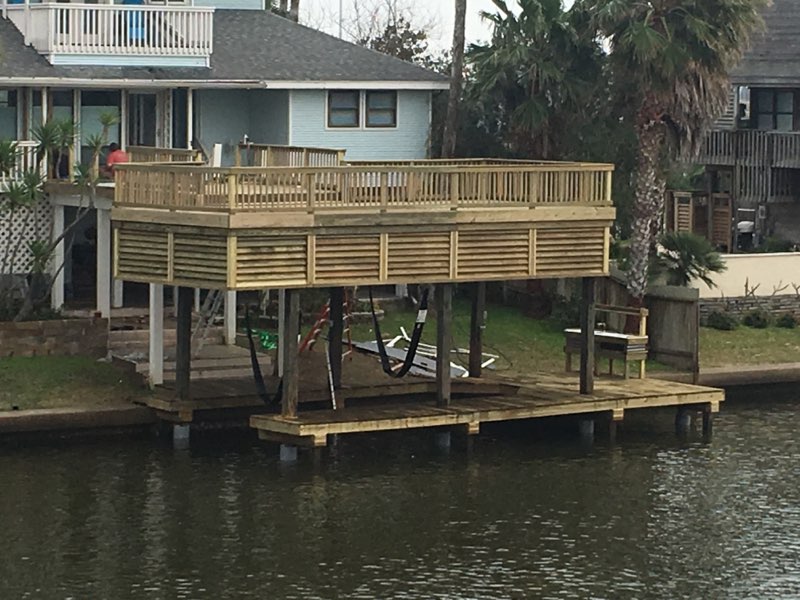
[116, 35]
[751, 148]
[360, 223]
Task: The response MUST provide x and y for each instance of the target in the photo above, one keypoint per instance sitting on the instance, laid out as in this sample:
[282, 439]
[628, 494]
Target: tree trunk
[294, 11]
[450, 135]
[283, 6]
[648, 199]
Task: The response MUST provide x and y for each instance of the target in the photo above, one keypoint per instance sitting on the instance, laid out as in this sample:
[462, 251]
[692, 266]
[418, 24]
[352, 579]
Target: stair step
[203, 364]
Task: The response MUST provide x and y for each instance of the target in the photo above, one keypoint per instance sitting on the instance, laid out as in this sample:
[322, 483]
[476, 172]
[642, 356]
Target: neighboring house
[752, 157]
[210, 73]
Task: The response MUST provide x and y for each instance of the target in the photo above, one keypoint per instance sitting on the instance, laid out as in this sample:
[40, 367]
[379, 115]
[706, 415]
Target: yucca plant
[9, 152]
[685, 257]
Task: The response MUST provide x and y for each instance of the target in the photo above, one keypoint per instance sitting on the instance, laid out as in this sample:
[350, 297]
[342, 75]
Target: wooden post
[59, 256]
[291, 371]
[183, 350]
[230, 318]
[477, 325]
[156, 345]
[104, 262]
[444, 316]
[335, 335]
[587, 335]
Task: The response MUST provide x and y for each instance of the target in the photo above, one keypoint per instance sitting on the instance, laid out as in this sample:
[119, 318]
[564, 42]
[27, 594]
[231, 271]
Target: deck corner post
[335, 334]
[444, 318]
[477, 325]
[183, 349]
[156, 339]
[708, 422]
[291, 371]
[683, 421]
[588, 293]
[230, 318]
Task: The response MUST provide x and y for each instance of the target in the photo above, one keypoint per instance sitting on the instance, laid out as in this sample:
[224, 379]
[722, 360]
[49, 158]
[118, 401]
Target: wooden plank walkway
[536, 397]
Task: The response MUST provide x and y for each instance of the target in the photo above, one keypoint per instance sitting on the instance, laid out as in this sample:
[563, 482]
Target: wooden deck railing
[752, 148]
[152, 154]
[25, 161]
[270, 155]
[433, 187]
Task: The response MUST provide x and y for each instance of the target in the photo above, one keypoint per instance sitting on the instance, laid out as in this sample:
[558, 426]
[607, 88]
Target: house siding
[409, 140]
[232, 4]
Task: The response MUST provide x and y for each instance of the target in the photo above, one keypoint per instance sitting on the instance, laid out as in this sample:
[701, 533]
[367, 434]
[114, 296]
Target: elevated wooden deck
[258, 227]
[535, 397]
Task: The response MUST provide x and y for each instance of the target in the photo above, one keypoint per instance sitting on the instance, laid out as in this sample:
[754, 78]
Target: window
[381, 109]
[775, 110]
[343, 109]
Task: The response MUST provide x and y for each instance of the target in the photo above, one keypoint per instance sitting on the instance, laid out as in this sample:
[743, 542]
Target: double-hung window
[775, 110]
[381, 109]
[344, 109]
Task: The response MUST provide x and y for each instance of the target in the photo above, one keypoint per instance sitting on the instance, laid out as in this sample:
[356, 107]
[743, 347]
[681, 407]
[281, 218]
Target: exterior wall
[770, 272]
[777, 305]
[269, 116]
[238, 4]
[409, 140]
[226, 116]
[69, 337]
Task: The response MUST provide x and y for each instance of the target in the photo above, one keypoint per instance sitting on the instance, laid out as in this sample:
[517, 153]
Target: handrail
[275, 155]
[153, 154]
[349, 188]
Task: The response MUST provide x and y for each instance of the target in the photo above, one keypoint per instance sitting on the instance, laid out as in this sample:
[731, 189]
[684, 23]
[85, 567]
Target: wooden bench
[612, 345]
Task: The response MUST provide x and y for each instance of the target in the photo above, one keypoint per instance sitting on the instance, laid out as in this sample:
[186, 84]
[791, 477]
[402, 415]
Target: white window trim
[362, 112]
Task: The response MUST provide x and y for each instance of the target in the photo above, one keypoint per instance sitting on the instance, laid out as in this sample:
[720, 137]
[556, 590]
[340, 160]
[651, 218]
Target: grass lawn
[524, 344]
[747, 346]
[59, 382]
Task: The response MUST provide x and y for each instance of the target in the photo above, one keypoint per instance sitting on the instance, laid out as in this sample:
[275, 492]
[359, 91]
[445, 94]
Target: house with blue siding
[206, 74]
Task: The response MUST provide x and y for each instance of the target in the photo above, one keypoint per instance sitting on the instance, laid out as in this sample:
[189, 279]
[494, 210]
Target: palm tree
[683, 257]
[540, 71]
[450, 135]
[673, 57]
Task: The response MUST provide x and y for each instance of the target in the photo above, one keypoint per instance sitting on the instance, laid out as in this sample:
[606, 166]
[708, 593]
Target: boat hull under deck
[541, 396]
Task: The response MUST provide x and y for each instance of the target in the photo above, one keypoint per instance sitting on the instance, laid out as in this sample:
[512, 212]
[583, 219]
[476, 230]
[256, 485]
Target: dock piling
[291, 371]
[587, 335]
[444, 318]
[183, 351]
[477, 325]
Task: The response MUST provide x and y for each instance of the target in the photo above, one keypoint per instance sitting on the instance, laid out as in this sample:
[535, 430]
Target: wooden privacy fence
[383, 188]
[270, 155]
[151, 154]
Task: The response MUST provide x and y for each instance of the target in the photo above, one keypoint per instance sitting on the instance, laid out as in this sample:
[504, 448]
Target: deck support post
[156, 343]
[230, 318]
[281, 329]
[444, 317]
[180, 436]
[59, 256]
[118, 298]
[443, 440]
[587, 335]
[708, 421]
[477, 325]
[335, 332]
[104, 262]
[288, 453]
[683, 421]
[586, 430]
[183, 350]
[291, 371]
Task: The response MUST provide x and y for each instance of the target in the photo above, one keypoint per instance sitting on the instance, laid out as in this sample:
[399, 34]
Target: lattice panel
[419, 255]
[343, 259]
[200, 259]
[142, 255]
[570, 251]
[16, 232]
[269, 258]
[493, 254]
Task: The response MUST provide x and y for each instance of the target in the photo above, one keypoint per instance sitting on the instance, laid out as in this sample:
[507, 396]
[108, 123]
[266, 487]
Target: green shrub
[757, 319]
[773, 245]
[787, 321]
[566, 312]
[724, 321]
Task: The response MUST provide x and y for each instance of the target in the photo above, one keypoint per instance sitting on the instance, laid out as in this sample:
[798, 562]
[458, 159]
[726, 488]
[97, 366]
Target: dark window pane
[765, 100]
[785, 102]
[785, 122]
[344, 100]
[343, 109]
[381, 109]
[765, 121]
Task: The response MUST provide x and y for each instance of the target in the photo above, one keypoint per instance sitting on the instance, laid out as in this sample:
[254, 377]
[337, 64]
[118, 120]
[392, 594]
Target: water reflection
[393, 517]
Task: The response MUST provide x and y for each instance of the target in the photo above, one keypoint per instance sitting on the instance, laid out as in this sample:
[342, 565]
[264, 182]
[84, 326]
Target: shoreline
[128, 418]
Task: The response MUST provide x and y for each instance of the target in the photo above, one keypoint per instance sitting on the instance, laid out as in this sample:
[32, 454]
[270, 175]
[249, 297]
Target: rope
[416, 336]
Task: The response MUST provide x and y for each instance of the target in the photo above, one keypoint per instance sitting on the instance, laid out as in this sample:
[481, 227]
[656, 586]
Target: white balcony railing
[25, 161]
[69, 33]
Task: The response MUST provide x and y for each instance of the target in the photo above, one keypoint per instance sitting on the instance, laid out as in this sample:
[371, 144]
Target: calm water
[394, 517]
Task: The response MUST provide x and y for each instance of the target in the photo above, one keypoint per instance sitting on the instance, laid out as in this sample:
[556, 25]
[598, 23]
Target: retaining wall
[67, 337]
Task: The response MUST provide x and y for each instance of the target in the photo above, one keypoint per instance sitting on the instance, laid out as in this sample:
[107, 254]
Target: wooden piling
[335, 332]
[476, 329]
[444, 322]
[291, 371]
[587, 335]
[183, 351]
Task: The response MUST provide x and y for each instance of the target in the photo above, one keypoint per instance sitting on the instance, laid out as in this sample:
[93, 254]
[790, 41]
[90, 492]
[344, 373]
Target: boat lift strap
[261, 387]
[416, 336]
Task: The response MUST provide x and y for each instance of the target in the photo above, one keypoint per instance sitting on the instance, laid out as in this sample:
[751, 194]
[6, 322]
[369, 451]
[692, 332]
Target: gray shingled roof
[249, 46]
[774, 58]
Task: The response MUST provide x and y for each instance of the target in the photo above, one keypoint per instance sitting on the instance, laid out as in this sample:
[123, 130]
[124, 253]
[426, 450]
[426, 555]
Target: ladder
[208, 312]
[323, 320]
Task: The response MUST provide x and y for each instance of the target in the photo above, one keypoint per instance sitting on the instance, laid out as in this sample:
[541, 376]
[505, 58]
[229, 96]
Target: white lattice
[26, 225]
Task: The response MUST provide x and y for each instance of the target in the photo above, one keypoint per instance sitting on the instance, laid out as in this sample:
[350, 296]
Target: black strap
[261, 387]
[416, 336]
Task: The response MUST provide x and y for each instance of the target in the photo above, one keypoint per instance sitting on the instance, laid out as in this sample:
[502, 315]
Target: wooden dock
[549, 395]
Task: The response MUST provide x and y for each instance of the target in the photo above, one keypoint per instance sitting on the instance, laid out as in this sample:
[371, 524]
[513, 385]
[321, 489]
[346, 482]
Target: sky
[324, 15]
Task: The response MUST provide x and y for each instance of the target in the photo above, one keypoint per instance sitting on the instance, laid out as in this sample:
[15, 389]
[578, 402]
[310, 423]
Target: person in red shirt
[115, 156]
